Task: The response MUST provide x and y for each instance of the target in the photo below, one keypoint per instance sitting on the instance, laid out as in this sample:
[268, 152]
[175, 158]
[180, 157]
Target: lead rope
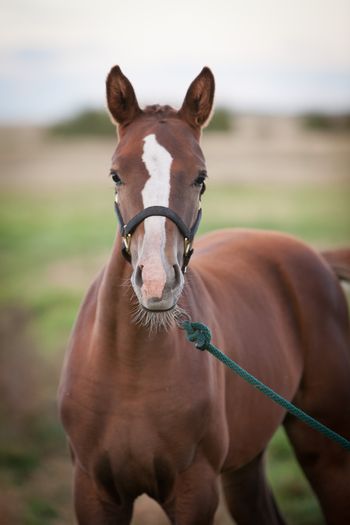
[200, 336]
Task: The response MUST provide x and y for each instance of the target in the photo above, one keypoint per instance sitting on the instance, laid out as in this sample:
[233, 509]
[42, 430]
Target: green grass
[20, 463]
[52, 243]
[319, 215]
[39, 512]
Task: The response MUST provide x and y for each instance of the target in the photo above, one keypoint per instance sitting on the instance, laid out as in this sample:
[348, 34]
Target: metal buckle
[187, 246]
[127, 241]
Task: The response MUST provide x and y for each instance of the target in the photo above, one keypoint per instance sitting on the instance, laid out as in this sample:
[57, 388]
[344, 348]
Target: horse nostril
[138, 276]
[177, 275]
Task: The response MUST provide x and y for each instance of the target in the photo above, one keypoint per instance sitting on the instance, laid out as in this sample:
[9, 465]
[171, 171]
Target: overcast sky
[267, 55]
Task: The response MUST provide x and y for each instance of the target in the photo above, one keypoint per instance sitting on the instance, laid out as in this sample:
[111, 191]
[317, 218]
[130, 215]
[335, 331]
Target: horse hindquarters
[325, 394]
[325, 463]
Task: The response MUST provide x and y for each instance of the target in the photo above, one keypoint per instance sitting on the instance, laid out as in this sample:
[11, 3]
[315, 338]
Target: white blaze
[156, 192]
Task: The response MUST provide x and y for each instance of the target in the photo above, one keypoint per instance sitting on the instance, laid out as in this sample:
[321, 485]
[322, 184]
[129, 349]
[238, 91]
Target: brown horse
[147, 413]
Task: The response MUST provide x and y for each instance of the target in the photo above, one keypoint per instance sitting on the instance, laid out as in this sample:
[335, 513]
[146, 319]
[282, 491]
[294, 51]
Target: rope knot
[197, 333]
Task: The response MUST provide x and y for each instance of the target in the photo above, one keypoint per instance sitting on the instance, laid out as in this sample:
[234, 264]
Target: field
[57, 228]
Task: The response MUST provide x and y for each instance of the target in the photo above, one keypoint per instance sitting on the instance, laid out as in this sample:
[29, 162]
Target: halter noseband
[128, 229]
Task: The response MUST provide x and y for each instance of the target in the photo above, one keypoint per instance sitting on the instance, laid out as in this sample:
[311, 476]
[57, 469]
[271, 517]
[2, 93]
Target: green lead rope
[200, 335]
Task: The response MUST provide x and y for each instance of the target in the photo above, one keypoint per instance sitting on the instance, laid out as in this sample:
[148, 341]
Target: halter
[127, 229]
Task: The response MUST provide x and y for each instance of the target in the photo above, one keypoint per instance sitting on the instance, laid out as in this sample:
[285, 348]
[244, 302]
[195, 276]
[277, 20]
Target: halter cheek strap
[127, 229]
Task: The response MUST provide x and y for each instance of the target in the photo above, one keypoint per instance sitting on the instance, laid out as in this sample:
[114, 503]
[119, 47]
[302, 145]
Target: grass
[318, 215]
[39, 511]
[52, 243]
[20, 463]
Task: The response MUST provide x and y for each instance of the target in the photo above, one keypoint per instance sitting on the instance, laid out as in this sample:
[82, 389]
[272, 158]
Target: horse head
[159, 172]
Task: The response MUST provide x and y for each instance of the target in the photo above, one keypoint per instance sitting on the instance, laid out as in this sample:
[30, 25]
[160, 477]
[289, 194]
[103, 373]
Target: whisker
[154, 321]
[125, 283]
[157, 321]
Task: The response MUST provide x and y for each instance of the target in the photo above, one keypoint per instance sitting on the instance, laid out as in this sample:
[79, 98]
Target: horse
[143, 411]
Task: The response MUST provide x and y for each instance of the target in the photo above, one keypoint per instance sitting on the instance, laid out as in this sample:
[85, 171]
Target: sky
[267, 55]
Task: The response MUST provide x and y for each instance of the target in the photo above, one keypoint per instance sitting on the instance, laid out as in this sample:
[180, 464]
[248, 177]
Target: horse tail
[339, 261]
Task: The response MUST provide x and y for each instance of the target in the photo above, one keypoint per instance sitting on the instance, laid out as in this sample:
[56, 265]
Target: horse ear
[121, 98]
[198, 102]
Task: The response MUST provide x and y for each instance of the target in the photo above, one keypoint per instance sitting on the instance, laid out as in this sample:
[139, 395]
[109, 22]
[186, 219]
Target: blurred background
[278, 156]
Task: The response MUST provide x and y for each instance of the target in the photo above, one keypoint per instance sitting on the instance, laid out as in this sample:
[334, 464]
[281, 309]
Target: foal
[143, 411]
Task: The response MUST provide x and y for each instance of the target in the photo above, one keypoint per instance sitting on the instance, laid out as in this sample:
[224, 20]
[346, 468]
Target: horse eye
[200, 181]
[202, 175]
[115, 177]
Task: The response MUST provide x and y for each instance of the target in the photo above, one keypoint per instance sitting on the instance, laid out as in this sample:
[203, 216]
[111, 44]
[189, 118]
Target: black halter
[128, 229]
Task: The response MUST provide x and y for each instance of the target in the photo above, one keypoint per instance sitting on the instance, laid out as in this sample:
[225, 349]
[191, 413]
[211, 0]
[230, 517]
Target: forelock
[160, 112]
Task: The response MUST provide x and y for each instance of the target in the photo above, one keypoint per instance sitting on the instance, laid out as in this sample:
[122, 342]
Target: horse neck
[127, 342]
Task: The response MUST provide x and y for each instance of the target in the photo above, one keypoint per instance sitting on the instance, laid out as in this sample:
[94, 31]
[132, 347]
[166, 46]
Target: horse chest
[137, 431]
[143, 455]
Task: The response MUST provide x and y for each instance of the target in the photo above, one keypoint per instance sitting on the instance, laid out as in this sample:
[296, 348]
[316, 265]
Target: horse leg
[249, 497]
[325, 393]
[90, 509]
[196, 497]
[327, 467]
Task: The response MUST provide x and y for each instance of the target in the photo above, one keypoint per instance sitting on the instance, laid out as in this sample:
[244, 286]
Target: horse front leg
[196, 496]
[92, 509]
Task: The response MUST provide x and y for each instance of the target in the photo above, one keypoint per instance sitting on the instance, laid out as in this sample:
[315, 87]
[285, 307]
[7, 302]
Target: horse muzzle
[157, 286]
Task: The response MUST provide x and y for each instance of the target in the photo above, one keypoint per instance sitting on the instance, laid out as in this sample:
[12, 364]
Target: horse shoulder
[79, 343]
